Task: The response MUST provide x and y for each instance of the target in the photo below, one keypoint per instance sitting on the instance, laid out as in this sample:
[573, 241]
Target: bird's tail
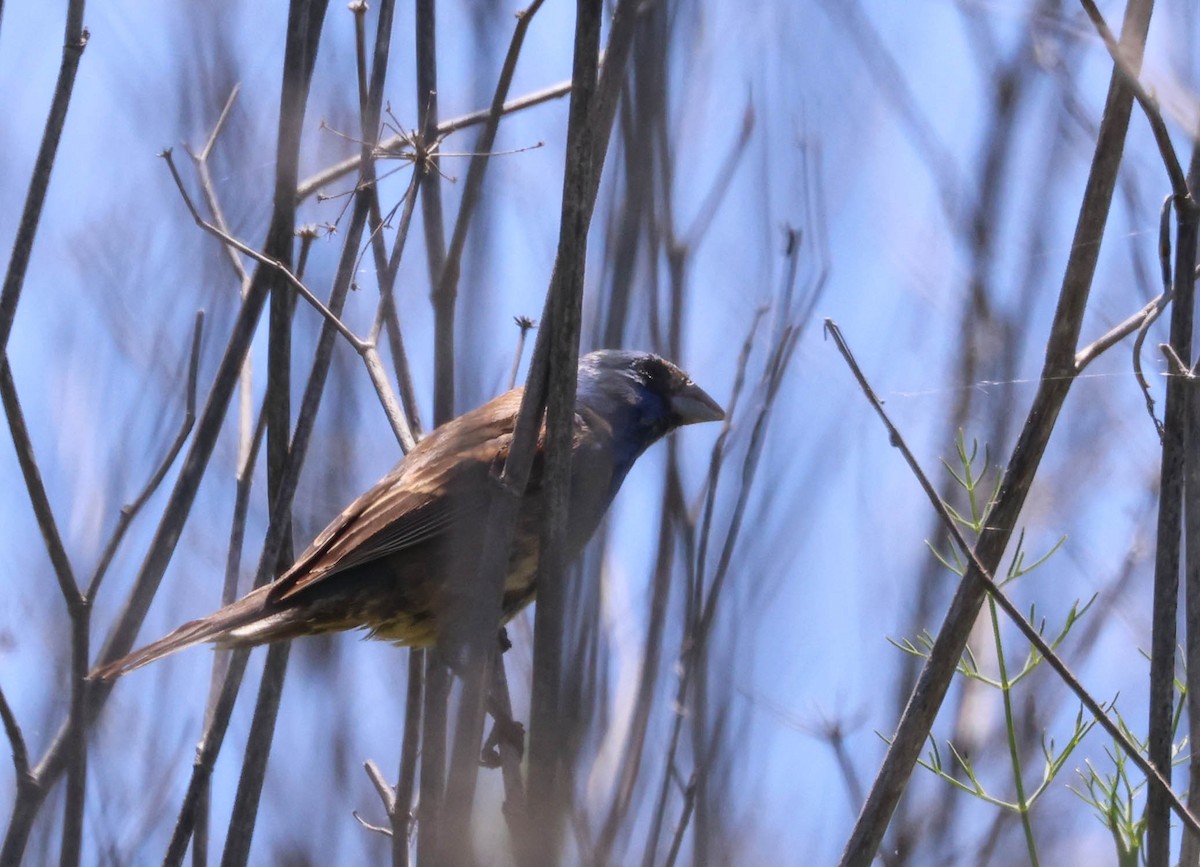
[227, 627]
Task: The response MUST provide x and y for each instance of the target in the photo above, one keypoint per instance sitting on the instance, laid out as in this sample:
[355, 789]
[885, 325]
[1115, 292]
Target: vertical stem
[546, 732]
[401, 814]
[433, 758]
[1010, 727]
[1174, 469]
[437, 678]
[444, 297]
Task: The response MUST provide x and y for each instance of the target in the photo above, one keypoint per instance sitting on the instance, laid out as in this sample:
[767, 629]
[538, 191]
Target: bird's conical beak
[692, 405]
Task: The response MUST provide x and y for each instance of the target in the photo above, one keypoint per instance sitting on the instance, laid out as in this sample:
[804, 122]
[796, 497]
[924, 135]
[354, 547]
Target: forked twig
[347, 166]
[1148, 103]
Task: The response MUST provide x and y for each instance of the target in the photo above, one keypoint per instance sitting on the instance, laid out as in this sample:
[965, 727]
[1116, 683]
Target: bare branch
[445, 128]
[75, 39]
[261, 258]
[37, 489]
[20, 755]
[1128, 67]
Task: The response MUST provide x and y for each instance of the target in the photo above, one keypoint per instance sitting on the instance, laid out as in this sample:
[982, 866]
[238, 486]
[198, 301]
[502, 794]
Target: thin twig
[37, 489]
[1164, 261]
[75, 39]
[262, 259]
[1136, 322]
[402, 815]
[208, 188]
[689, 804]
[348, 166]
[20, 755]
[387, 268]
[525, 325]
[1128, 68]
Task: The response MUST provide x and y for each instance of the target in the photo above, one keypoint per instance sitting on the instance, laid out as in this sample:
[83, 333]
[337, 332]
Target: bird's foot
[506, 731]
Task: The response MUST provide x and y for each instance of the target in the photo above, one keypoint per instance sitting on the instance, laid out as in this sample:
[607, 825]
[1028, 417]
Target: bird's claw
[505, 730]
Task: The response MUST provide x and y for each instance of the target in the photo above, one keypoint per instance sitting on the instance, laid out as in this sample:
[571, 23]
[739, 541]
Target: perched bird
[388, 563]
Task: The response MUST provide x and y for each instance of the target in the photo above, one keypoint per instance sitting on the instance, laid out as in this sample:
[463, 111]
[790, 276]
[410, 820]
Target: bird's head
[643, 397]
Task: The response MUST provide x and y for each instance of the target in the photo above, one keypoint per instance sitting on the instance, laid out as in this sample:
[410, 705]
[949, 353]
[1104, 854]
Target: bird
[393, 562]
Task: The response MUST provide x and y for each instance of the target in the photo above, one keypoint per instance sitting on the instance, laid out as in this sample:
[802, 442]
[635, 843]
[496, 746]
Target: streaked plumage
[384, 563]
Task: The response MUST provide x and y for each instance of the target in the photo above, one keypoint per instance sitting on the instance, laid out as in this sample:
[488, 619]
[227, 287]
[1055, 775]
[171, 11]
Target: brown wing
[439, 484]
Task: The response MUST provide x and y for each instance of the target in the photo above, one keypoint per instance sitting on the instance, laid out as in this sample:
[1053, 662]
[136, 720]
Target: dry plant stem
[1137, 322]
[608, 89]
[211, 741]
[689, 804]
[386, 795]
[263, 259]
[208, 188]
[386, 316]
[1174, 469]
[1128, 66]
[581, 179]
[32, 476]
[385, 270]
[402, 814]
[1058, 374]
[206, 757]
[340, 170]
[437, 678]
[524, 323]
[694, 654]
[220, 669]
[433, 758]
[254, 763]
[446, 292]
[674, 520]
[651, 658]
[16, 741]
[1190, 846]
[479, 625]
[75, 39]
[430, 180]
